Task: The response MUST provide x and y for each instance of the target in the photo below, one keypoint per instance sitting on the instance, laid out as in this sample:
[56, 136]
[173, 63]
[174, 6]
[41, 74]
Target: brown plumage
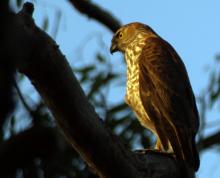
[159, 91]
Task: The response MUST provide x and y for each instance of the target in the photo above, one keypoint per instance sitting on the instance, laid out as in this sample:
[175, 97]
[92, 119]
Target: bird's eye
[120, 35]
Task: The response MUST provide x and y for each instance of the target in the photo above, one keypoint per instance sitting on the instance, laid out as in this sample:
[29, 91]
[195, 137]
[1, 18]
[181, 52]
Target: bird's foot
[147, 150]
[153, 151]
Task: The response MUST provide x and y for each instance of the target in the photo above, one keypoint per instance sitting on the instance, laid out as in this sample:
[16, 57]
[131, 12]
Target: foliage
[209, 99]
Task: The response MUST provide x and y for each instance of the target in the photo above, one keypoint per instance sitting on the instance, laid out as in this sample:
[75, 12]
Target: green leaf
[45, 24]
[100, 58]
[12, 125]
[19, 2]
[21, 77]
[85, 70]
[98, 82]
[110, 76]
[217, 58]
[118, 108]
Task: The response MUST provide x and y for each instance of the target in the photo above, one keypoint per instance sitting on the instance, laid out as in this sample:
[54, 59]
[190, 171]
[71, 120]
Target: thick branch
[93, 11]
[40, 59]
[7, 69]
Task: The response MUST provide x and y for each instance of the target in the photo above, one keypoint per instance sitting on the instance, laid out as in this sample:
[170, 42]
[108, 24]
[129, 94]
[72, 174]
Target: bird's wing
[168, 99]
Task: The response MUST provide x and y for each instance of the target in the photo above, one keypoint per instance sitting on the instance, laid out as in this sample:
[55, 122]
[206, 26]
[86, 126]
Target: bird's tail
[183, 145]
[196, 160]
[185, 149]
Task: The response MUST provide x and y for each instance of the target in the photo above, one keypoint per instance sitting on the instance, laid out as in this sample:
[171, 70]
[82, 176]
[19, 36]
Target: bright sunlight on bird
[159, 91]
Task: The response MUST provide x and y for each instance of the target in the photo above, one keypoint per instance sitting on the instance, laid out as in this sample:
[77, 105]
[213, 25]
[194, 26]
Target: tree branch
[40, 59]
[7, 68]
[93, 11]
[23, 101]
[209, 141]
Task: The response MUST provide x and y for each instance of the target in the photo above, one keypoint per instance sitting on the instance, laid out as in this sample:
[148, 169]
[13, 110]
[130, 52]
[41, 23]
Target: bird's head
[127, 34]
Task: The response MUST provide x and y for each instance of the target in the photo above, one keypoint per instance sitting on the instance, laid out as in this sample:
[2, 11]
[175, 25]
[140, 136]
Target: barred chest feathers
[132, 97]
[132, 85]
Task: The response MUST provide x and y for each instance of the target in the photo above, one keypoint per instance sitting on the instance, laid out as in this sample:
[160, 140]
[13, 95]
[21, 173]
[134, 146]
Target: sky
[192, 27]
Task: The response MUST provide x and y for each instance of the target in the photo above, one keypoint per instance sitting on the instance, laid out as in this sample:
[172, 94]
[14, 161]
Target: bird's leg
[159, 145]
[157, 150]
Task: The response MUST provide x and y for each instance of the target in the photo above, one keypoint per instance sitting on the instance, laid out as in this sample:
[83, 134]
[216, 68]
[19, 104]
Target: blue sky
[192, 27]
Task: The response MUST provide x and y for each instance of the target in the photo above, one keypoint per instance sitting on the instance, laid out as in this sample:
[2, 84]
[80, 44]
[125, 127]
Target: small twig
[26, 106]
[22, 97]
[209, 141]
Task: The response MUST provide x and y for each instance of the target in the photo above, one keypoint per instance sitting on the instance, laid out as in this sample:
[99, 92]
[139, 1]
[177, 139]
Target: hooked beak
[114, 47]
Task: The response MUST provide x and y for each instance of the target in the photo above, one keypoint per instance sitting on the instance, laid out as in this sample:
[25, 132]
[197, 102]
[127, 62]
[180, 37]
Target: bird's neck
[132, 53]
[133, 50]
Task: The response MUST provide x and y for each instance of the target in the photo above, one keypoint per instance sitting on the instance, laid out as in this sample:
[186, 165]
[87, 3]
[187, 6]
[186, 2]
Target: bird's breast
[132, 85]
[132, 97]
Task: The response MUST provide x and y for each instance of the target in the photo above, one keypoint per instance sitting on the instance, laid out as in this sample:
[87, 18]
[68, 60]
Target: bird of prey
[158, 90]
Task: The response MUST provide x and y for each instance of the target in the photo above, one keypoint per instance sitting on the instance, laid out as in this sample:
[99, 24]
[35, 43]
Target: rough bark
[7, 69]
[39, 58]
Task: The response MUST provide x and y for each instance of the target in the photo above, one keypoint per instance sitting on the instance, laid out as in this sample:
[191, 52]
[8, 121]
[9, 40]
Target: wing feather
[171, 102]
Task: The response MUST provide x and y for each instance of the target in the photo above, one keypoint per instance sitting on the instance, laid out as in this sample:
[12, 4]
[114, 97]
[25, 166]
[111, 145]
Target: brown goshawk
[158, 90]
